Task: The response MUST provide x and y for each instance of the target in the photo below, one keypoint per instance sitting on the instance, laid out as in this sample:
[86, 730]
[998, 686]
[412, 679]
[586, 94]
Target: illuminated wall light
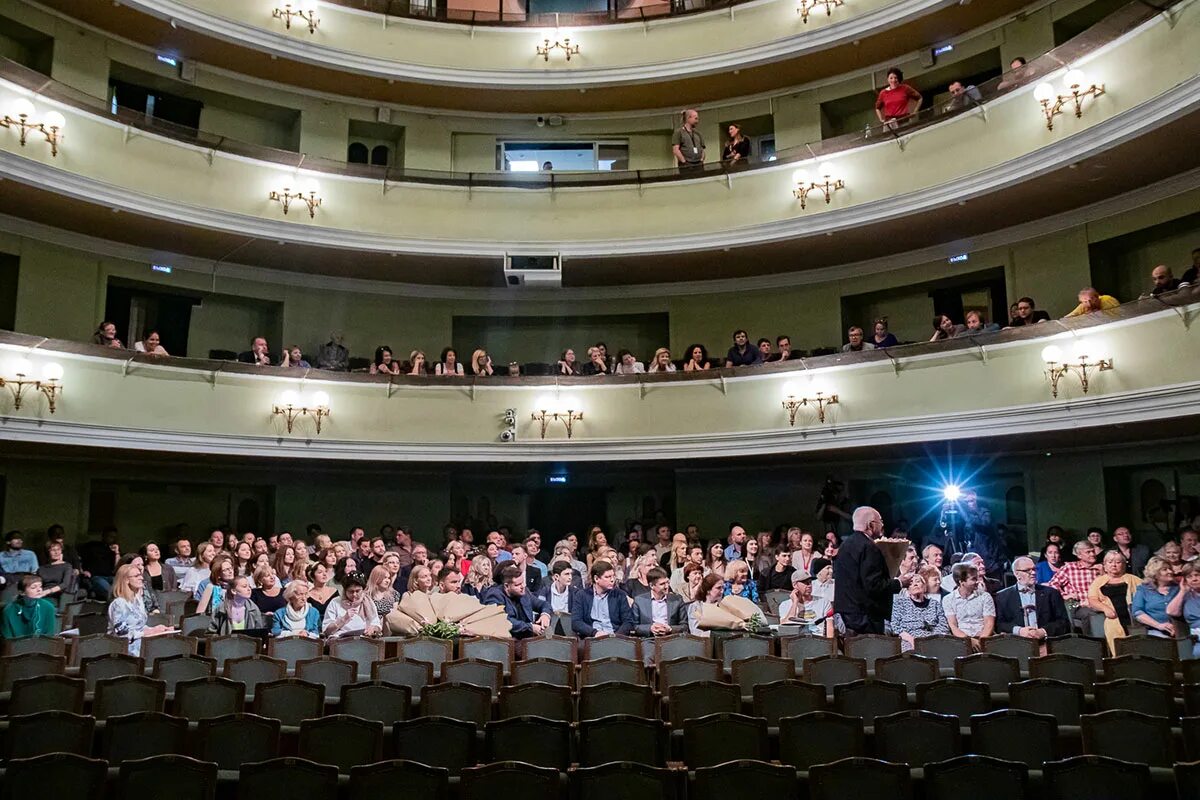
[1077, 90]
[826, 183]
[546, 48]
[303, 10]
[564, 410]
[17, 380]
[307, 195]
[1089, 356]
[818, 395]
[21, 115]
[806, 7]
[291, 406]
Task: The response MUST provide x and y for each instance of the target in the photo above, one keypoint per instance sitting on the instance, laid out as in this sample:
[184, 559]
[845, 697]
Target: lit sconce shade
[825, 183]
[1076, 89]
[291, 406]
[289, 398]
[307, 192]
[558, 408]
[22, 115]
[1052, 354]
[303, 10]
[806, 7]
[546, 48]
[18, 381]
[319, 400]
[1088, 356]
[818, 394]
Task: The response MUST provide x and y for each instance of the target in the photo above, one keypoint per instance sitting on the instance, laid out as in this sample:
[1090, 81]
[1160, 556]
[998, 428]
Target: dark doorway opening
[558, 511]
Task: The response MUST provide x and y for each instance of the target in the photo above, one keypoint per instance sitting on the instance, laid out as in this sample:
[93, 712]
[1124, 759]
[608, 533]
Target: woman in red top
[898, 100]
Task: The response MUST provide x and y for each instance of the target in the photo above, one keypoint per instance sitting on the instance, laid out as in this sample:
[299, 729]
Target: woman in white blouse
[352, 613]
[151, 345]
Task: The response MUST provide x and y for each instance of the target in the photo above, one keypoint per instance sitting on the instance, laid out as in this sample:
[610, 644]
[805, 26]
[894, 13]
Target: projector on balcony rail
[543, 271]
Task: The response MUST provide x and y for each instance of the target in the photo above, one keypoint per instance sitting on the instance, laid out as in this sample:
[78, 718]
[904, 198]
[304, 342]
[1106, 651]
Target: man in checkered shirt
[1073, 580]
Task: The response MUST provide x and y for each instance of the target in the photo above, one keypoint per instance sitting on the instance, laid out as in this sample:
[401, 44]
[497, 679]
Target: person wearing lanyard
[688, 144]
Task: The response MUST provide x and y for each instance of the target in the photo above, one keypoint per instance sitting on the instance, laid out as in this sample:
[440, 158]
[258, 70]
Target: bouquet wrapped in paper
[417, 610]
[893, 551]
[732, 613]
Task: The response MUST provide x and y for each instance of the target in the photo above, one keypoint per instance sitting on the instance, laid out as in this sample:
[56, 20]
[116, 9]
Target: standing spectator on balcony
[1164, 281]
[257, 354]
[897, 100]
[448, 363]
[333, 355]
[1027, 314]
[481, 363]
[568, 365]
[945, 328]
[384, 363]
[856, 343]
[661, 361]
[697, 359]
[737, 149]
[1091, 300]
[293, 358]
[106, 336]
[962, 97]
[151, 345]
[627, 364]
[742, 354]
[687, 144]
[882, 337]
[1191, 273]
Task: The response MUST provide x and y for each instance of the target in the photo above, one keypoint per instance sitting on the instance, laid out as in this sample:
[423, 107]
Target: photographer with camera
[831, 506]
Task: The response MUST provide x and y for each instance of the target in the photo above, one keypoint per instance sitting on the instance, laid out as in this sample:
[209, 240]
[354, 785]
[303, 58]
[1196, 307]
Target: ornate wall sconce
[552, 410]
[18, 381]
[303, 10]
[822, 399]
[292, 406]
[1078, 89]
[827, 184]
[21, 117]
[806, 7]
[1088, 357]
[565, 45]
[308, 196]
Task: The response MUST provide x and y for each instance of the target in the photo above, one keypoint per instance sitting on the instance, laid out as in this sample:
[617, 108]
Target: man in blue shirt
[604, 610]
[16, 559]
[737, 543]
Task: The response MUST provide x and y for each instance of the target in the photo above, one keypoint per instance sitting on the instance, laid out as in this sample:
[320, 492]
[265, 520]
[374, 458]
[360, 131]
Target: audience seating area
[619, 717]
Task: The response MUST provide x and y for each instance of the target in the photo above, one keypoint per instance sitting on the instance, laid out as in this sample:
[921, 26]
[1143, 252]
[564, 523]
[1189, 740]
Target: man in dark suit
[528, 614]
[558, 593]
[661, 612]
[602, 610]
[1028, 609]
[864, 588]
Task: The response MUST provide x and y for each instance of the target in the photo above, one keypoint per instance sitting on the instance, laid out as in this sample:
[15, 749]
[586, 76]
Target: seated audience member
[237, 611]
[29, 614]
[1189, 544]
[151, 345]
[916, 615]
[1163, 280]
[1095, 537]
[1151, 599]
[1136, 555]
[106, 336]
[1073, 581]
[738, 581]
[627, 364]
[1014, 75]
[479, 576]
[976, 325]
[1027, 314]
[783, 345]
[611, 361]
[710, 590]
[448, 363]
[15, 559]
[384, 363]
[737, 149]
[380, 590]
[881, 336]
[1186, 604]
[962, 97]
[481, 363]
[945, 328]
[420, 580]
[567, 365]
[1029, 609]
[182, 561]
[1091, 300]
[416, 363]
[856, 343]
[822, 572]
[1191, 273]
[268, 592]
[1111, 593]
[528, 614]
[742, 354]
[989, 585]
[970, 611]
[597, 363]
[764, 350]
[558, 592]
[293, 358]
[897, 100]
[333, 355]
[697, 359]
[933, 580]
[932, 555]
[689, 579]
[661, 361]
[58, 577]
[297, 617]
[602, 610]
[1049, 562]
[814, 614]
[780, 574]
[639, 583]
[127, 615]
[211, 592]
[660, 612]
[257, 354]
[449, 581]
[352, 613]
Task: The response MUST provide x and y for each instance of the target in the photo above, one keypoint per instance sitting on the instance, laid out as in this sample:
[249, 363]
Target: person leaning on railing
[897, 100]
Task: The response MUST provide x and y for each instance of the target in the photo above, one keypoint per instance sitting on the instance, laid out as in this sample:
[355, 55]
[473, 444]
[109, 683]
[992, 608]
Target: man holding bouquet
[864, 586]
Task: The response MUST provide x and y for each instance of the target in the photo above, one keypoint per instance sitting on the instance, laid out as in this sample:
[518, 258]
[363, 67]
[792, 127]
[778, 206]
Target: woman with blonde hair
[1151, 599]
[420, 580]
[661, 361]
[237, 612]
[1112, 593]
[479, 576]
[297, 617]
[268, 593]
[127, 615]
[200, 569]
[380, 590]
[738, 583]
[481, 363]
[597, 542]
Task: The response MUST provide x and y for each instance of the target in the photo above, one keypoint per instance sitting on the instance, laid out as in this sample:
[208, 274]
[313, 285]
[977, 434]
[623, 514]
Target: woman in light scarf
[298, 617]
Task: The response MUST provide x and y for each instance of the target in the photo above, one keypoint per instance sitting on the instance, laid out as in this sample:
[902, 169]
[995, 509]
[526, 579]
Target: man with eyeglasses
[864, 585]
[1027, 314]
[1028, 609]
